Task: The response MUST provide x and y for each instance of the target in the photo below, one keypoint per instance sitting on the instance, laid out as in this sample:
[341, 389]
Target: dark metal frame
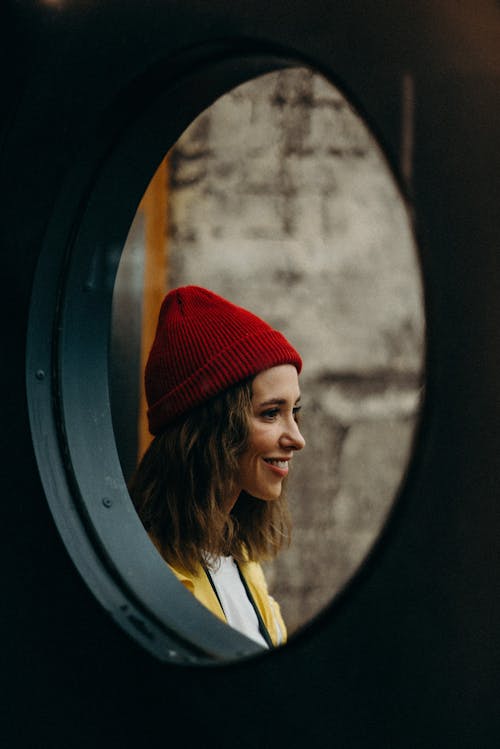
[68, 348]
[408, 654]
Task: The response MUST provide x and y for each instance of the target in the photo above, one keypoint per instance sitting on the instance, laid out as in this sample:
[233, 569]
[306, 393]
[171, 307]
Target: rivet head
[40, 374]
[107, 502]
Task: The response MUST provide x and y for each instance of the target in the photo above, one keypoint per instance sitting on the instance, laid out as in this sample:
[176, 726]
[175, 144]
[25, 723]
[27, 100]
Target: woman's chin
[264, 495]
[267, 496]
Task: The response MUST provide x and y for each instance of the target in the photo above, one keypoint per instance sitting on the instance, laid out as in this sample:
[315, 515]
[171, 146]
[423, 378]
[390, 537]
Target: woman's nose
[292, 437]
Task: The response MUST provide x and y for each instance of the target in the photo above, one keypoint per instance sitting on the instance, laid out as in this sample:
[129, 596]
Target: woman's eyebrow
[276, 402]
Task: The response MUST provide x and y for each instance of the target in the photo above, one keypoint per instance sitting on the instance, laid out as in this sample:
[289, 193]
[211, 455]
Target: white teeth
[279, 463]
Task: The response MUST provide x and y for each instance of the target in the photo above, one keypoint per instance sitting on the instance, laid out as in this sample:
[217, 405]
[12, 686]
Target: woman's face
[274, 435]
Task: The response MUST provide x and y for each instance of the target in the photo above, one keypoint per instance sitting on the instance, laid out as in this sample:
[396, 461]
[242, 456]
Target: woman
[223, 396]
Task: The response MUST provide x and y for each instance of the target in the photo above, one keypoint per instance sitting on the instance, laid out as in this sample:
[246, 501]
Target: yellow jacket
[199, 585]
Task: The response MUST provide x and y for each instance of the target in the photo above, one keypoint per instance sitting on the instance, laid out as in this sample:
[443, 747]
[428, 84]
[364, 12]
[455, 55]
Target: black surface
[409, 655]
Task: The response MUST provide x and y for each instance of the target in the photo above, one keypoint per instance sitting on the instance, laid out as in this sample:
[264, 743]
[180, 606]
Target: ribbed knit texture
[204, 344]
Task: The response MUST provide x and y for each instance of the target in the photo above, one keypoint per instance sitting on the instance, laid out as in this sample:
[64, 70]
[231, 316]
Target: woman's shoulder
[186, 577]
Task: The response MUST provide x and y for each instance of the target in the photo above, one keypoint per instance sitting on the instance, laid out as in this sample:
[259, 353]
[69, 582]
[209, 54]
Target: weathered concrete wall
[281, 201]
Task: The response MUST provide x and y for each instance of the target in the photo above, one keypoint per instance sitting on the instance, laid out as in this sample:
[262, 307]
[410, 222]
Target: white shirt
[235, 603]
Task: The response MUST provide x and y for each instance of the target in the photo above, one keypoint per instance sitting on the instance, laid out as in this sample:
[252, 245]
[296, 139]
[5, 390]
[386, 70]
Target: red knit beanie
[204, 344]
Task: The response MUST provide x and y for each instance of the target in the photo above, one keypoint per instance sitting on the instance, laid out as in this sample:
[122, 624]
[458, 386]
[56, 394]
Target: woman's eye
[271, 413]
[296, 412]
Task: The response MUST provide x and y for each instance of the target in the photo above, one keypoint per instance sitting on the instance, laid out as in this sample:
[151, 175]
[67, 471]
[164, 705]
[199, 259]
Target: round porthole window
[275, 195]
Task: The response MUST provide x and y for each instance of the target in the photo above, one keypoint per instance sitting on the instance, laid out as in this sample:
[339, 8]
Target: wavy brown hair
[187, 477]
